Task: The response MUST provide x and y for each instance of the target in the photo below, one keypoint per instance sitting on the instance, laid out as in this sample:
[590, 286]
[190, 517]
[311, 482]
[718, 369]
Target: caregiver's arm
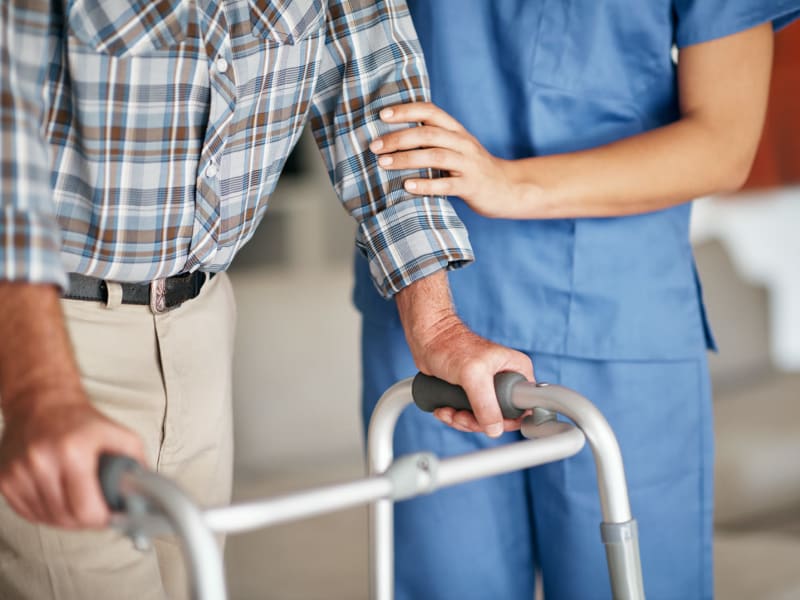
[723, 87]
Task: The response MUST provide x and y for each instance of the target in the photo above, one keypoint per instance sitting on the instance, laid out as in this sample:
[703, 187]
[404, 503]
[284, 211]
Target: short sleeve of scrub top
[699, 21]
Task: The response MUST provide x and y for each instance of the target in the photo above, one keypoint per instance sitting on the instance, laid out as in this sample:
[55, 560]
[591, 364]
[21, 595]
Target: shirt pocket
[286, 21]
[601, 48]
[280, 71]
[123, 28]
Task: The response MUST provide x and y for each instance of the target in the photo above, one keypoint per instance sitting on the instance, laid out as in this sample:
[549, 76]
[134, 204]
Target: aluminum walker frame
[148, 504]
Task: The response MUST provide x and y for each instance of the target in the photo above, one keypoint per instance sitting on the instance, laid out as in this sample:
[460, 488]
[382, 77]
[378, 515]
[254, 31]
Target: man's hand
[48, 461]
[443, 346]
[52, 436]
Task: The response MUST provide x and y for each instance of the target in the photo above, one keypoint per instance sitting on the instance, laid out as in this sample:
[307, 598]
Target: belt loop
[114, 295]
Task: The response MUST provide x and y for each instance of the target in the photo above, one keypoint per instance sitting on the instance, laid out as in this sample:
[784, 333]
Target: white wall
[296, 377]
[761, 233]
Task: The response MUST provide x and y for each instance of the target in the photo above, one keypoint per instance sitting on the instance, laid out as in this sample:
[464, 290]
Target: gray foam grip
[431, 393]
[110, 471]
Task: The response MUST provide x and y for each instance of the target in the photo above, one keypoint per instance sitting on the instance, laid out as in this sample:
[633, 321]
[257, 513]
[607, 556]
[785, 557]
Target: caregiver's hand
[441, 142]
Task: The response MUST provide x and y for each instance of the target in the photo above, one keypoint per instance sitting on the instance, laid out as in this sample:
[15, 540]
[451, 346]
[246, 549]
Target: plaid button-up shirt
[143, 138]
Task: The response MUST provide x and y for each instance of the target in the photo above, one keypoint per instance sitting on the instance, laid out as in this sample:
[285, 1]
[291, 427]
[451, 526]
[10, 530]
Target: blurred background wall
[297, 372]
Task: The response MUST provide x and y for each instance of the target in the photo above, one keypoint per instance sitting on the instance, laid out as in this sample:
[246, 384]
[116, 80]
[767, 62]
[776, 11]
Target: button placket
[222, 105]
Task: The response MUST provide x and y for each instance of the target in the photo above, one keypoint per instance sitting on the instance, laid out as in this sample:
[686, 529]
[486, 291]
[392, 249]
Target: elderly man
[140, 141]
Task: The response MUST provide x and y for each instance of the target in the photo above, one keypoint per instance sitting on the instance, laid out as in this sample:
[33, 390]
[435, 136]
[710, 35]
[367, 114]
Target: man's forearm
[53, 436]
[443, 346]
[36, 358]
[426, 309]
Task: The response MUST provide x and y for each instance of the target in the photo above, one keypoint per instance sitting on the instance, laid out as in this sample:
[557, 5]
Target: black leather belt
[161, 295]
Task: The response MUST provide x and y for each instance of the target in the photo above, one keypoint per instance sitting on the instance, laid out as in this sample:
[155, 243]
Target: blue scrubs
[611, 307]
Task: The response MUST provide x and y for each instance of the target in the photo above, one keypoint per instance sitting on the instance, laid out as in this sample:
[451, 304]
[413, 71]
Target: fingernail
[387, 113]
[411, 185]
[376, 145]
[494, 430]
[385, 161]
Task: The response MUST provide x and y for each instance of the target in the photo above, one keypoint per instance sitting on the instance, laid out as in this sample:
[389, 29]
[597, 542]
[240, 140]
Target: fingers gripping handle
[431, 393]
[110, 471]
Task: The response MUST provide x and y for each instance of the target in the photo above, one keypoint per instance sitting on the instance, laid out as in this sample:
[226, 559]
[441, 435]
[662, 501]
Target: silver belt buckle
[158, 296]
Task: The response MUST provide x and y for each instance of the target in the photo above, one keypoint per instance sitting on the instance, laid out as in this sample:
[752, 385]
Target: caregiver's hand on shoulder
[441, 142]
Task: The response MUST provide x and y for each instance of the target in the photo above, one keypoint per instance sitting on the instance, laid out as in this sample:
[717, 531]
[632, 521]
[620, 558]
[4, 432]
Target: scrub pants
[480, 540]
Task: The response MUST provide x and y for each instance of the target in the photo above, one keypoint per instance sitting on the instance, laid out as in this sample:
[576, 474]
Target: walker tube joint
[622, 551]
[413, 475]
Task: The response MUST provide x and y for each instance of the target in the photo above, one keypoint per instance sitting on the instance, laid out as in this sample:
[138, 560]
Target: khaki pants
[168, 378]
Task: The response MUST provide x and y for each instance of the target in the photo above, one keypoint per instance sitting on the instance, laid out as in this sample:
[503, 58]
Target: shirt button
[222, 65]
[212, 171]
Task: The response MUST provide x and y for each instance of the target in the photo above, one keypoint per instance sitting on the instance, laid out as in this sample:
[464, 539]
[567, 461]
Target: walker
[148, 505]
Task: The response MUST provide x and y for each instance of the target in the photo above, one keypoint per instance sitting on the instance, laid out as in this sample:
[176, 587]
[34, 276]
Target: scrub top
[531, 78]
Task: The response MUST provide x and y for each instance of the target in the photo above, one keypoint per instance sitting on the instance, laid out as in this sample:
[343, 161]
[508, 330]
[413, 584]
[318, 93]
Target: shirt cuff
[30, 248]
[413, 239]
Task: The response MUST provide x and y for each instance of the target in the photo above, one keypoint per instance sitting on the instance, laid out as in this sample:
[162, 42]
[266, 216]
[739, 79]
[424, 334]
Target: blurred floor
[324, 558]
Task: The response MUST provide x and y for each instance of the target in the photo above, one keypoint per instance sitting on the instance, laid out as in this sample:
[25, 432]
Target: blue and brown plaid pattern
[143, 138]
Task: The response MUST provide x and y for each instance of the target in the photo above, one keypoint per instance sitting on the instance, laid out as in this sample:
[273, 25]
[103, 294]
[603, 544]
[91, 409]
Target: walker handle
[110, 470]
[431, 393]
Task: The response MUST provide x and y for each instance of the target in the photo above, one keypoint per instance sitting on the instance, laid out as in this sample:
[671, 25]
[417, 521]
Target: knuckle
[71, 448]
[474, 364]
[472, 370]
[392, 141]
[38, 457]
[437, 155]
[404, 139]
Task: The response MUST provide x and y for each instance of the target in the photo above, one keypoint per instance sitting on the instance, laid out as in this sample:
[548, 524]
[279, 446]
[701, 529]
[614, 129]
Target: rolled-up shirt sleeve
[372, 60]
[29, 233]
